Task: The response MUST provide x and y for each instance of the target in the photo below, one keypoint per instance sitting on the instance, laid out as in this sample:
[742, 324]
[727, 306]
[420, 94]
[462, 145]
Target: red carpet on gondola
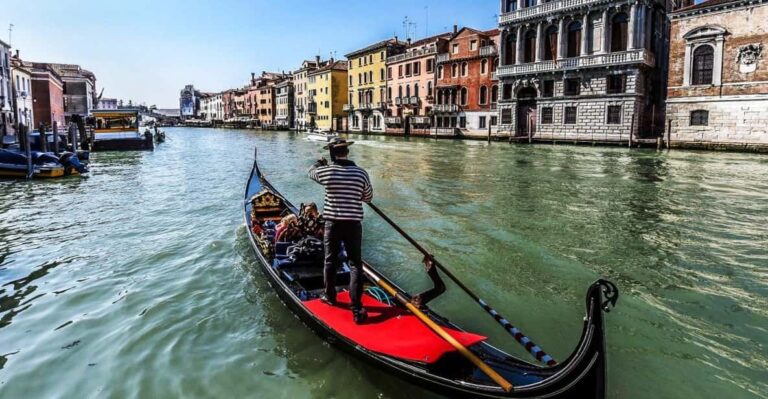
[389, 331]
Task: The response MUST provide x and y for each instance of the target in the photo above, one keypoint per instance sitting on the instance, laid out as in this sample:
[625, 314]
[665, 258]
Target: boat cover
[389, 330]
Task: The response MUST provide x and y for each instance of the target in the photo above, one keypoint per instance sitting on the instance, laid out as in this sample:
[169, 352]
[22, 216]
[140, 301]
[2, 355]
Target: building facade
[411, 86]
[328, 93]
[6, 94]
[284, 106]
[21, 82]
[718, 75]
[586, 70]
[47, 95]
[367, 85]
[301, 93]
[79, 89]
[466, 89]
[189, 102]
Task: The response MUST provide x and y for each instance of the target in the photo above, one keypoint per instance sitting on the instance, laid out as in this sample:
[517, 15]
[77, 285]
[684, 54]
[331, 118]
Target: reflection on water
[139, 280]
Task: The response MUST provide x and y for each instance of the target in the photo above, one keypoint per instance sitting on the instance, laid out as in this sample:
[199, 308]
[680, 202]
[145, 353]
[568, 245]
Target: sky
[147, 51]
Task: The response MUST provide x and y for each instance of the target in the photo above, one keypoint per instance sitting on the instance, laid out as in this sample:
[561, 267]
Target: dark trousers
[351, 234]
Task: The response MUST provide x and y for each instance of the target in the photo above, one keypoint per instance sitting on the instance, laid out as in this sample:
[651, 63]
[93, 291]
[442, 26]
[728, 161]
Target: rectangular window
[570, 116]
[572, 87]
[407, 69]
[455, 48]
[494, 120]
[463, 122]
[547, 115]
[417, 68]
[614, 115]
[400, 71]
[549, 88]
[482, 122]
[506, 116]
[700, 118]
[430, 66]
[473, 45]
[616, 84]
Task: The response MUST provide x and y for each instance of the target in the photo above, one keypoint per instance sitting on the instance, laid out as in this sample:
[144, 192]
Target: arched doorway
[526, 112]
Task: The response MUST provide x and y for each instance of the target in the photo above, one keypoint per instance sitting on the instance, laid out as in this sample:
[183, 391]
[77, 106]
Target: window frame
[609, 113]
[549, 113]
[696, 118]
[566, 115]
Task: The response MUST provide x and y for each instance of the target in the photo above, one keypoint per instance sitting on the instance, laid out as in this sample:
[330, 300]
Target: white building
[6, 110]
[21, 82]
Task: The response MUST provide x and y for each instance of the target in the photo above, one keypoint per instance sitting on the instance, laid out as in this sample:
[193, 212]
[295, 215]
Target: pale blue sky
[148, 50]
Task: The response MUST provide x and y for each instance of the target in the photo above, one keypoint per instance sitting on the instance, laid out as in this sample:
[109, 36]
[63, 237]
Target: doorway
[526, 112]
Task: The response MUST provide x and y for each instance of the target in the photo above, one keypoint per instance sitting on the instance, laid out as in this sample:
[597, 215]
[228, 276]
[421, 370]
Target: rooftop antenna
[10, 35]
[409, 27]
[426, 29]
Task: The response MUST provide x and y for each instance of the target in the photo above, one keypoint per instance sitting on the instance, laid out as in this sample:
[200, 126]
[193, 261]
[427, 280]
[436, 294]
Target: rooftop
[376, 46]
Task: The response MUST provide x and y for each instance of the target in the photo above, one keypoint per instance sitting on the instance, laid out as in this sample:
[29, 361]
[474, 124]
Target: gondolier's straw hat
[336, 143]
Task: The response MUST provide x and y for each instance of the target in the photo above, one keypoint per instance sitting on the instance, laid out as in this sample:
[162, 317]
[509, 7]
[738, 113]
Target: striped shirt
[347, 186]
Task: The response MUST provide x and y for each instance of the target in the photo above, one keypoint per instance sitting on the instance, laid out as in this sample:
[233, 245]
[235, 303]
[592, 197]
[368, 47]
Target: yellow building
[327, 88]
[368, 85]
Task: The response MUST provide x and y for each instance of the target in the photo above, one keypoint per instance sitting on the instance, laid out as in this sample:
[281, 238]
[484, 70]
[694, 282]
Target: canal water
[139, 281]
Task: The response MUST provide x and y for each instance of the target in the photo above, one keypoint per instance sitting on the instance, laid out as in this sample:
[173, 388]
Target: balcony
[411, 55]
[488, 51]
[588, 61]
[446, 108]
[393, 120]
[444, 57]
[312, 108]
[414, 101]
[398, 101]
[545, 9]
[348, 108]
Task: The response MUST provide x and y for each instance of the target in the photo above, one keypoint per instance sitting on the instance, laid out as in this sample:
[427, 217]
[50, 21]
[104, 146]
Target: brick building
[47, 95]
[718, 75]
[411, 85]
[466, 89]
[583, 70]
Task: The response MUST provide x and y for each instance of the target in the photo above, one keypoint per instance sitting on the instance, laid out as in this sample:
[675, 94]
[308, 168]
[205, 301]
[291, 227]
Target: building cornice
[703, 8]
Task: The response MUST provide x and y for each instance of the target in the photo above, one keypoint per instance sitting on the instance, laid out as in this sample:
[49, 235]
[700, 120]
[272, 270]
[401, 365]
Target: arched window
[454, 70]
[530, 46]
[464, 69]
[702, 65]
[440, 72]
[574, 39]
[400, 92]
[483, 95]
[429, 89]
[407, 90]
[416, 90]
[510, 50]
[510, 5]
[550, 44]
[484, 66]
[619, 39]
[463, 96]
[494, 94]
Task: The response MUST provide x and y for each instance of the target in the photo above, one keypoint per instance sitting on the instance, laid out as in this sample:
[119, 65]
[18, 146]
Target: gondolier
[347, 186]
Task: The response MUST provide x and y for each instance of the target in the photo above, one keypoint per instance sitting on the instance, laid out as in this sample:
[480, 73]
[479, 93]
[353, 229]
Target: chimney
[409, 41]
[455, 29]
[17, 54]
[317, 60]
[396, 39]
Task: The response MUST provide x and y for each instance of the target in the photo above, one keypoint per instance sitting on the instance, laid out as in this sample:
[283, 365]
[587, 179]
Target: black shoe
[360, 316]
[327, 300]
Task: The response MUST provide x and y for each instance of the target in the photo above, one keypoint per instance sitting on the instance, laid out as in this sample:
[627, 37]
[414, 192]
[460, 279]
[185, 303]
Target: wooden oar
[526, 342]
[496, 377]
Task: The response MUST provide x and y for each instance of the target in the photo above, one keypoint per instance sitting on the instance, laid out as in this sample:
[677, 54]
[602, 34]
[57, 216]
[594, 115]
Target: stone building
[467, 88]
[411, 86]
[366, 105]
[284, 106]
[21, 86]
[718, 75]
[189, 102]
[582, 70]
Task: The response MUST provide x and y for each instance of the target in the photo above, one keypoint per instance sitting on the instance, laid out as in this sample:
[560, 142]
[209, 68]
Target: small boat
[43, 165]
[159, 136]
[398, 341]
[321, 135]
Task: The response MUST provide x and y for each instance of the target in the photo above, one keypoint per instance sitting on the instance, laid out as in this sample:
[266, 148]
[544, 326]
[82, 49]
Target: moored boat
[118, 130]
[42, 165]
[407, 341]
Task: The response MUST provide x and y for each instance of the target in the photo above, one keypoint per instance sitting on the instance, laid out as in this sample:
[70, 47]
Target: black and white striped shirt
[347, 186]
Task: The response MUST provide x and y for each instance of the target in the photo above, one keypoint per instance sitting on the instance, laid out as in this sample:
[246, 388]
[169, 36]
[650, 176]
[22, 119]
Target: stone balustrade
[640, 56]
[545, 9]
[411, 55]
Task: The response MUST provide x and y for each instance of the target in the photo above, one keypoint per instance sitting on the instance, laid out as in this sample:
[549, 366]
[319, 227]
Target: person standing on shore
[347, 186]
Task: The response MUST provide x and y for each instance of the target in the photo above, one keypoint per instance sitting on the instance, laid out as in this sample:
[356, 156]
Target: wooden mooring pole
[55, 137]
[28, 151]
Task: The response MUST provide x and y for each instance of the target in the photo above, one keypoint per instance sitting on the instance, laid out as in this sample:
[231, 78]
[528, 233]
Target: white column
[641, 26]
[518, 51]
[561, 35]
[585, 34]
[717, 67]
[539, 40]
[604, 32]
[687, 65]
[631, 28]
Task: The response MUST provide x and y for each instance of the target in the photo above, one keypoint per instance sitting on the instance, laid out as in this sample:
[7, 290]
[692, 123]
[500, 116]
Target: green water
[139, 281]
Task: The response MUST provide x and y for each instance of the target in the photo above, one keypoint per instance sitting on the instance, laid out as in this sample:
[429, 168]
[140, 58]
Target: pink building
[411, 85]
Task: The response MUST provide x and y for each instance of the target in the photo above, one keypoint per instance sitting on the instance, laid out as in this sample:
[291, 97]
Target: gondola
[396, 341]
